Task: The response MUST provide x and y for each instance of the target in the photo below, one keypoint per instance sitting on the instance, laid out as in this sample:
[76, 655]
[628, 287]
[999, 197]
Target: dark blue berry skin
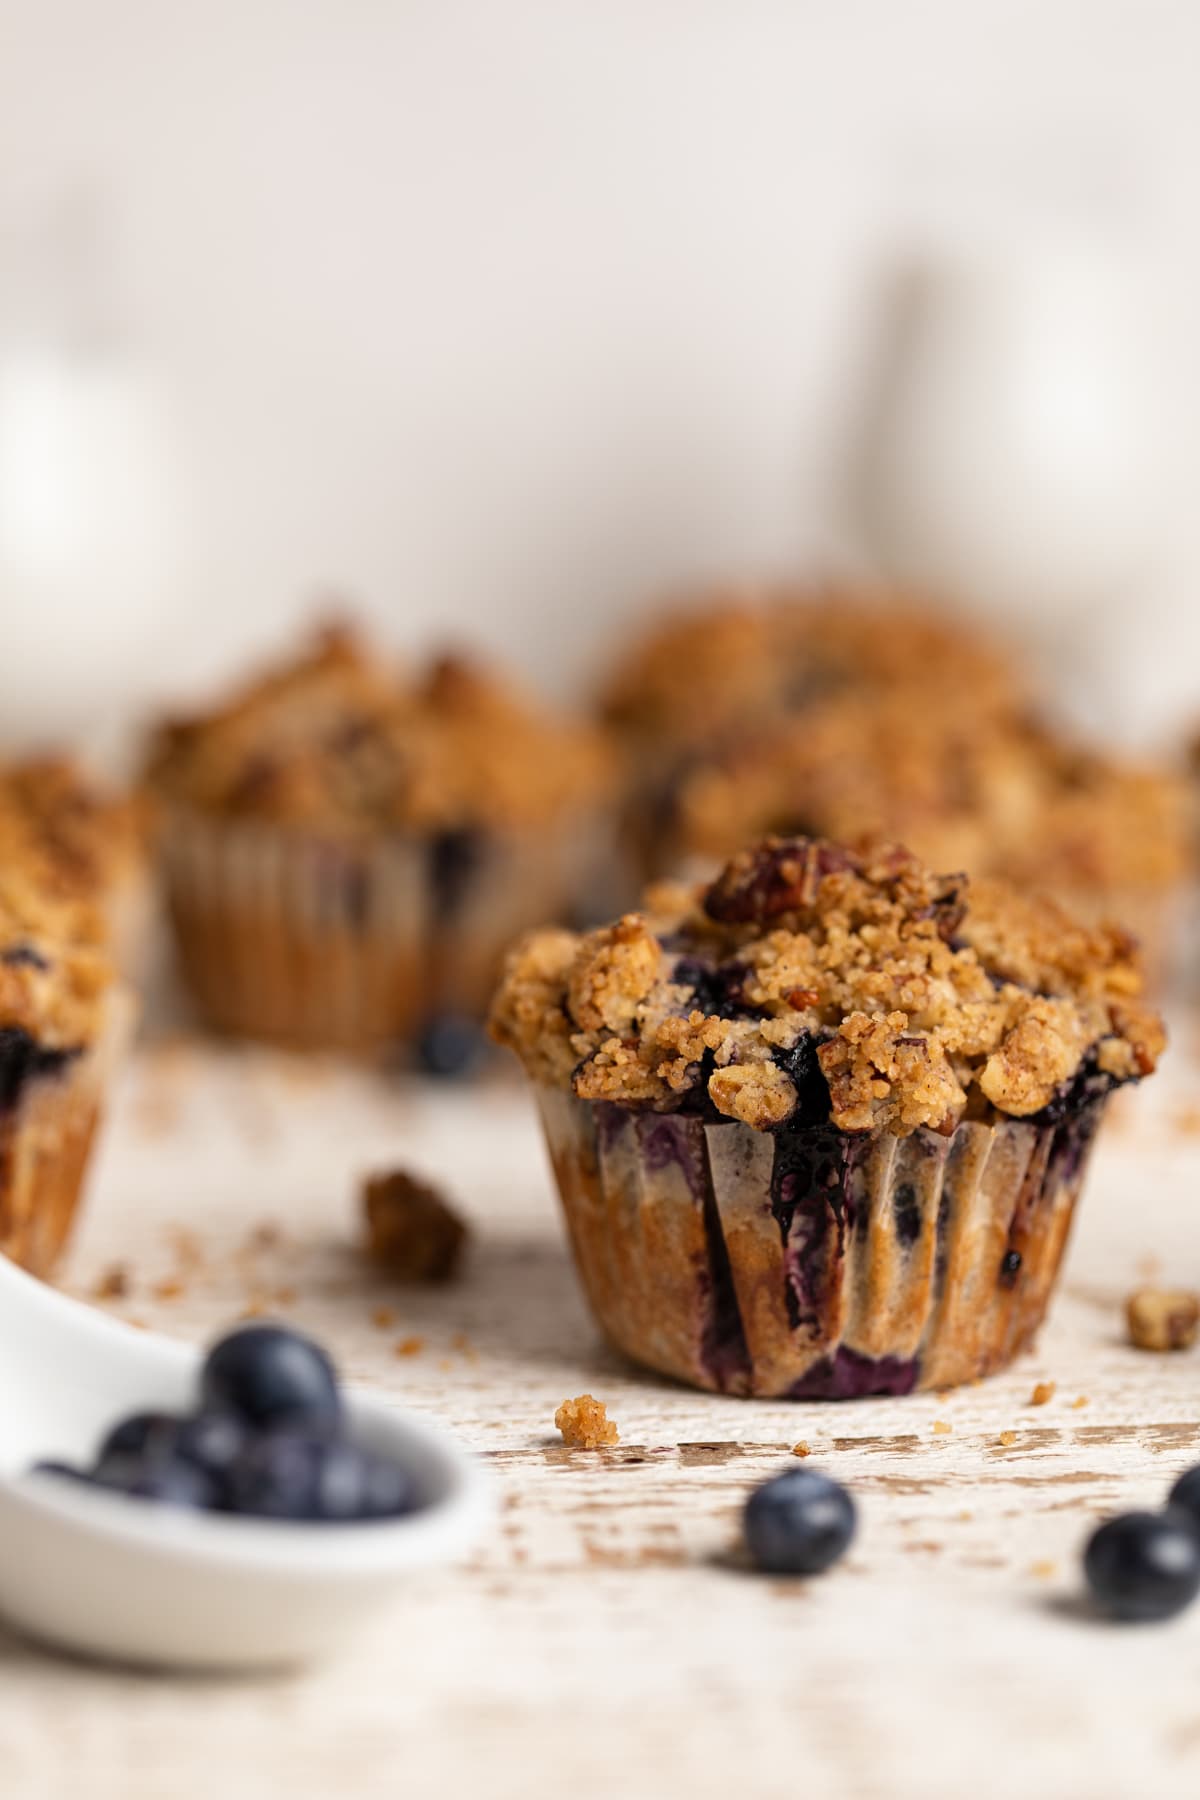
[269, 1376]
[798, 1523]
[1144, 1565]
[449, 1044]
[285, 1475]
[129, 1437]
[1186, 1493]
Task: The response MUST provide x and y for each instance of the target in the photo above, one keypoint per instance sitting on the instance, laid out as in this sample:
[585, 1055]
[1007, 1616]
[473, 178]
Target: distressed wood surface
[605, 1639]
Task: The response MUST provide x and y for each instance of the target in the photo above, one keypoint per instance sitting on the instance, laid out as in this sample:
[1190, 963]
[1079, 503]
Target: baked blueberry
[798, 1523]
[449, 1044]
[288, 1475]
[270, 1376]
[1144, 1565]
[1186, 1492]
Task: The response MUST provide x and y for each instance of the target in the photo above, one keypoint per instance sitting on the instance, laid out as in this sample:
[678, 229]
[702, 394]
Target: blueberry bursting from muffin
[820, 1125]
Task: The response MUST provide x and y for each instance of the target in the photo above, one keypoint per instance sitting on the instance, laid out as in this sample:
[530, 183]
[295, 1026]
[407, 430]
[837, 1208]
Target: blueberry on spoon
[270, 1376]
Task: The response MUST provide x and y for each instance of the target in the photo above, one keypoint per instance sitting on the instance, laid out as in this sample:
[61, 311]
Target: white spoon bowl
[105, 1575]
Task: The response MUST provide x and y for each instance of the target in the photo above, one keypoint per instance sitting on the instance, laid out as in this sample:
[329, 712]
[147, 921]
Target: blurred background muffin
[347, 848]
[846, 719]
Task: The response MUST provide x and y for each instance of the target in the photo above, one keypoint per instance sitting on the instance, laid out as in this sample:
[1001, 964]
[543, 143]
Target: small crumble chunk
[1079, 1402]
[585, 1424]
[409, 1346]
[411, 1229]
[1162, 1319]
[1043, 1393]
[113, 1284]
[942, 1428]
[800, 1449]
[1007, 1439]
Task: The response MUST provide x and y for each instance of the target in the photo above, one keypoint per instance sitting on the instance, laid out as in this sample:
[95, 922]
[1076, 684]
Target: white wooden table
[602, 1642]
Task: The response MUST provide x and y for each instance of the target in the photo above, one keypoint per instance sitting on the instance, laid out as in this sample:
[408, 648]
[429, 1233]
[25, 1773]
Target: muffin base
[317, 945]
[46, 1137]
[812, 1263]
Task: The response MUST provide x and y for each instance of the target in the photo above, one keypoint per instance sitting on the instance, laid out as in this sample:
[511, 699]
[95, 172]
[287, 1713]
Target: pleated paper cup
[814, 1263]
[46, 1137]
[321, 944]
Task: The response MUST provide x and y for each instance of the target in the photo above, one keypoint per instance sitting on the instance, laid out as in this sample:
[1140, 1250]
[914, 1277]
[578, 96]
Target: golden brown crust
[919, 996]
[337, 740]
[82, 838]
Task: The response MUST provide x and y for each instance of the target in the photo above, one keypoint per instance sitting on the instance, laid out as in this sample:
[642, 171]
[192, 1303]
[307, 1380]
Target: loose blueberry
[285, 1475]
[1186, 1493]
[799, 1523]
[449, 1044]
[132, 1435]
[1144, 1565]
[268, 1375]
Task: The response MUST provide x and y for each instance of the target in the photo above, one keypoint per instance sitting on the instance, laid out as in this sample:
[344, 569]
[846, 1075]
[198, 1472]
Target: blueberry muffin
[63, 1018]
[1105, 835]
[347, 850]
[819, 1127]
[83, 842]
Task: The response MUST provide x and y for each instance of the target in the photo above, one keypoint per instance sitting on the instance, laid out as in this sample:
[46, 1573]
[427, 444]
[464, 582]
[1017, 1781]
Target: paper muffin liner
[46, 1137]
[813, 1263]
[317, 944]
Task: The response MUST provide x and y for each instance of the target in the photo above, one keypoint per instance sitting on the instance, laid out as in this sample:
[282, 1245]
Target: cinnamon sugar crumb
[1162, 1319]
[800, 1449]
[384, 1317]
[114, 1283]
[1008, 1438]
[1043, 1393]
[585, 1424]
[411, 1229]
[409, 1346]
[1044, 1570]
[1079, 1401]
[941, 1428]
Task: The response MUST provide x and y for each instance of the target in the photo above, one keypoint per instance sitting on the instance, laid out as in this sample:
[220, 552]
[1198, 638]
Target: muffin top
[339, 741]
[996, 795]
[54, 972]
[67, 832]
[752, 656]
[810, 984]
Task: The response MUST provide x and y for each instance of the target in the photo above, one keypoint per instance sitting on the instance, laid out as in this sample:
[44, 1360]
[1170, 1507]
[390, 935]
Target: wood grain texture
[606, 1640]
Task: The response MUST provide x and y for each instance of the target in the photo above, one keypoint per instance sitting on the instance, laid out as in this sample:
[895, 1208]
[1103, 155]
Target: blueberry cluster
[798, 1523]
[267, 1441]
[1146, 1565]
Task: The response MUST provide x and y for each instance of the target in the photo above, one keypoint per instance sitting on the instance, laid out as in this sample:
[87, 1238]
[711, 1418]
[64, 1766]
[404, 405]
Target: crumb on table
[800, 1449]
[113, 1284]
[1043, 1393]
[410, 1227]
[409, 1346]
[585, 1424]
[942, 1428]
[1162, 1318]
[1008, 1438]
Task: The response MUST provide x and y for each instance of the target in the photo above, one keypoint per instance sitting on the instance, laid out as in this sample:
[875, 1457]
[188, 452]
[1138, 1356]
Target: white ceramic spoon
[148, 1583]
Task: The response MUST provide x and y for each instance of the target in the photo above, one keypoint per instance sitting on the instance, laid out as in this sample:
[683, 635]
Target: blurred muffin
[63, 1019]
[710, 679]
[819, 1128]
[999, 796]
[347, 851]
[80, 841]
[849, 719]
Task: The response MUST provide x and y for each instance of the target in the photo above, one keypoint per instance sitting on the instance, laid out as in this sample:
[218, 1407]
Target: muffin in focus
[819, 1127]
[63, 1019]
[347, 851]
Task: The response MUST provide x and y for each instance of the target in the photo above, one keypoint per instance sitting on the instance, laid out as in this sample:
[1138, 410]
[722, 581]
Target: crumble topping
[964, 786]
[856, 987]
[76, 838]
[336, 738]
[753, 654]
[585, 1424]
[1161, 1319]
[411, 1229]
[54, 973]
